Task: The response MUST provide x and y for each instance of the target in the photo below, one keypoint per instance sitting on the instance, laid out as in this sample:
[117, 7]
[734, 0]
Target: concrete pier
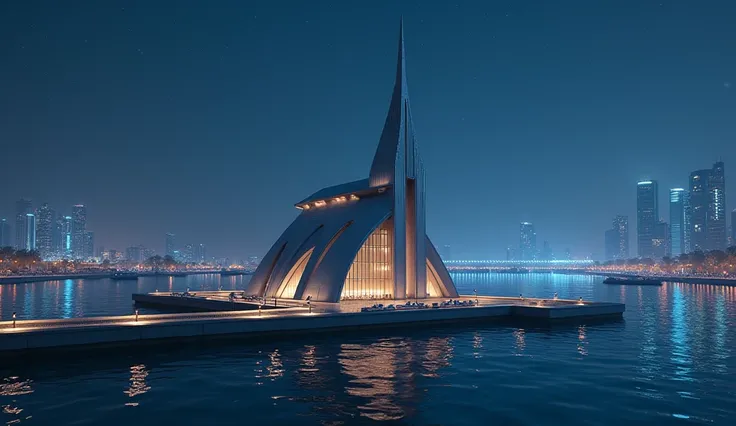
[34, 335]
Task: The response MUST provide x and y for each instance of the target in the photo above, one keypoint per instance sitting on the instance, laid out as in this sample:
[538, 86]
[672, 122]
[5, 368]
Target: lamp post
[13, 319]
[309, 303]
[136, 315]
[475, 290]
[259, 309]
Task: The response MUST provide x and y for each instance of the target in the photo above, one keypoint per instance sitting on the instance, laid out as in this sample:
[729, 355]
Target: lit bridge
[455, 265]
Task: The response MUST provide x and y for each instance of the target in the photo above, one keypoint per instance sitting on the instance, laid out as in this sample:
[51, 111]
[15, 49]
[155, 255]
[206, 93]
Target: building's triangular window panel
[291, 282]
[433, 282]
[371, 276]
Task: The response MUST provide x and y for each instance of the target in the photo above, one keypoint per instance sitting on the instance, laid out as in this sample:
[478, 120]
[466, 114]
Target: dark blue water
[670, 361]
[92, 298]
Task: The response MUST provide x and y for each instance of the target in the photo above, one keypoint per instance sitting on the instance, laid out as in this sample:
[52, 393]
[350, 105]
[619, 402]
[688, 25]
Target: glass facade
[647, 217]
[677, 219]
[371, 275]
[291, 282]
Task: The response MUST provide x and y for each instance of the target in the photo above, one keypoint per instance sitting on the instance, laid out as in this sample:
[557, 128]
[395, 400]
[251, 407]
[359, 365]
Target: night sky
[210, 119]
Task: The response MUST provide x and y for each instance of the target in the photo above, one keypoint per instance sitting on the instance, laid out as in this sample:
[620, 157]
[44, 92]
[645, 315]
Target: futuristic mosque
[364, 239]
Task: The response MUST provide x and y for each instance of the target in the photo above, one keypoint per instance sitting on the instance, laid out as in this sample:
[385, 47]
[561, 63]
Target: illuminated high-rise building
[527, 241]
[621, 226]
[89, 245]
[611, 244]
[170, 244]
[65, 223]
[661, 240]
[134, 253]
[188, 253]
[5, 239]
[707, 208]
[687, 228]
[79, 230]
[678, 244]
[200, 253]
[22, 208]
[699, 200]
[647, 216]
[45, 225]
[717, 230]
[29, 230]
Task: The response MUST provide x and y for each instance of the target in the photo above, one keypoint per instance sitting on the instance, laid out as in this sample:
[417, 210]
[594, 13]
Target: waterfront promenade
[34, 335]
[21, 279]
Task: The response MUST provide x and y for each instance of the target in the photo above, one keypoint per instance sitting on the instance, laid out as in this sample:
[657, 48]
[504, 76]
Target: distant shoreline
[24, 279]
[676, 279]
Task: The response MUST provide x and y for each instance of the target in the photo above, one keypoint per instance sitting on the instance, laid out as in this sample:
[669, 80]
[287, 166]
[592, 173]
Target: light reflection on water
[138, 385]
[85, 298]
[669, 360]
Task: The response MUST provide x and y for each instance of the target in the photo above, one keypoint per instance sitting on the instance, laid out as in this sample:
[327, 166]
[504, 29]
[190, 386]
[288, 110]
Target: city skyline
[226, 91]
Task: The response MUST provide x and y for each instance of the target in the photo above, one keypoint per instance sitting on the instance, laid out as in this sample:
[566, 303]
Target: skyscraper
[170, 244]
[22, 208]
[79, 229]
[527, 241]
[134, 253]
[89, 244]
[66, 236]
[621, 226]
[200, 253]
[5, 240]
[611, 244]
[716, 228]
[699, 210]
[44, 230]
[687, 228]
[29, 242]
[677, 221]
[708, 209]
[661, 240]
[188, 253]
[647, 216]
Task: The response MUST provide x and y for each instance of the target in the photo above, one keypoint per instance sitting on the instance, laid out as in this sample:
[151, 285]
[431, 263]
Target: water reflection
[680, 344]
[438, 354]
[275, 368]
[14, 386]
[372, 372]
[720, 349]
[672, 354]
[582, 342]
[68, 299]
[519, 340]
[138, 385]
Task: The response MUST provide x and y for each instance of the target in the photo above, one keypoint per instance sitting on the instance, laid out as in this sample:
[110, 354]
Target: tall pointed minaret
[397, 163]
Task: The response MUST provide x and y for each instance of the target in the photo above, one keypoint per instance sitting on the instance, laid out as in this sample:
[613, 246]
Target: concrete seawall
[34, 335]
[670, 279]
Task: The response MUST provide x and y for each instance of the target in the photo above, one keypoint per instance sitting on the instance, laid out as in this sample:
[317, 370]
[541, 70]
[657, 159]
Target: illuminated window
[291, 282]
[433, 282]
[371, 275]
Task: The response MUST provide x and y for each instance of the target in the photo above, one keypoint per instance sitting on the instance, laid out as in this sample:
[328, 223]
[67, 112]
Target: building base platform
[33, 335]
